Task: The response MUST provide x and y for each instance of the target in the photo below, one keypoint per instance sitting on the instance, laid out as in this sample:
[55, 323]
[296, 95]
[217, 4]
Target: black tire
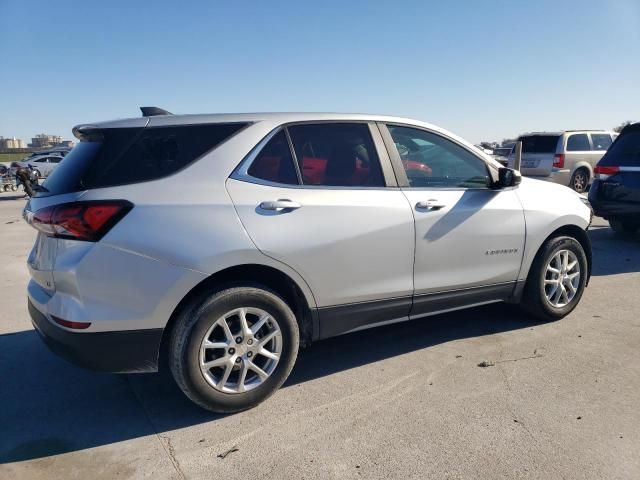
[534, 300]
[580, 180]
[623, 227]
[191, 327]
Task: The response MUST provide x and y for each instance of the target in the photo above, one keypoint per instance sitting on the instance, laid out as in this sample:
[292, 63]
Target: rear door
[579, 153]
[316, 197]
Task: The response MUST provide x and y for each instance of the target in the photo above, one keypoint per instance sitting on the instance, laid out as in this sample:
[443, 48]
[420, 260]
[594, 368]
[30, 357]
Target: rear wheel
[556, 280]
[235, 348]
[580, 180]
[623, 227]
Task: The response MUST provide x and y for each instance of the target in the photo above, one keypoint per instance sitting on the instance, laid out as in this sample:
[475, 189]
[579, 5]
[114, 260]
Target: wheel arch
[252, 273]
[584, 165]
[571, 230]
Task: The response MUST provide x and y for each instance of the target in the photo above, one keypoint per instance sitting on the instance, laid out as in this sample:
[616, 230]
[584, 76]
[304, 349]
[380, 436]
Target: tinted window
[275, 162]
[120, 156]
[336, 154]
[55, 159]
[539, 143]
[625, 151]
[578, 142]
[601, 141]
[430, 160]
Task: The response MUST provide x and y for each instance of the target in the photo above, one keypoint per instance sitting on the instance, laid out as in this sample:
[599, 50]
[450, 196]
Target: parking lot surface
[556, 400]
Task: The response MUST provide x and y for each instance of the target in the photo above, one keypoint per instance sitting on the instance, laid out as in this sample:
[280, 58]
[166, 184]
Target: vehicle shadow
[49, 407]
[614, 253]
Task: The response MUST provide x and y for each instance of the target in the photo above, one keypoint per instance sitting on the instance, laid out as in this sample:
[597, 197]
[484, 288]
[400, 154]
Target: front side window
[601, 141]
[578, 142]
[336, 154]
[430, 160]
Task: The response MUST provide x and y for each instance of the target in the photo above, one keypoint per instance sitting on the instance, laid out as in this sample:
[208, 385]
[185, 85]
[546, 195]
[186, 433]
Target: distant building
[12, 143]
[45, 141]
[66, 143]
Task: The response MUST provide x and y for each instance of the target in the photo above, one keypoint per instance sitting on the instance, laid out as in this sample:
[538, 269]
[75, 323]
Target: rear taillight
[88, 221]
[602, 172]
[558, 160]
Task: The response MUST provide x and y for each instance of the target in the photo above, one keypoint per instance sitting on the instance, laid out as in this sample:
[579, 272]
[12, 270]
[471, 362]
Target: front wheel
[234, 349]
[556, 280]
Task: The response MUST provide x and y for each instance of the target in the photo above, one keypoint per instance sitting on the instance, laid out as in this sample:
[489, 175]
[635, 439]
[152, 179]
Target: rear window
[624, 152]
[539, 143]
[122, 156]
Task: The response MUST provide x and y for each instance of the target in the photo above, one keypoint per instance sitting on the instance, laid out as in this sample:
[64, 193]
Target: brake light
[558, 160]
[602, 172]
[88, 221]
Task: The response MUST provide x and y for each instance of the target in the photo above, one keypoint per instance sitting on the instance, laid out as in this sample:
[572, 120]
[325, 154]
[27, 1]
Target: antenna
[153, 111]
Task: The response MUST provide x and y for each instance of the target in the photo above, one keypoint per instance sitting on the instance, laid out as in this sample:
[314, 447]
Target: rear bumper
[614, 200]
[117, 352]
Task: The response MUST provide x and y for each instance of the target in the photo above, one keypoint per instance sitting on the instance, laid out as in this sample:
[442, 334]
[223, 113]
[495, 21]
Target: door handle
[280, 204]
[431, 204]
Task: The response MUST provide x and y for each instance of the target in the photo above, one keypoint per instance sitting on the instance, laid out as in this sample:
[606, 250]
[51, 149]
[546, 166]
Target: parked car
[501, 155]
[42, 165]
[59, 151]
[565, 157]
[292, 228]
[615, 193]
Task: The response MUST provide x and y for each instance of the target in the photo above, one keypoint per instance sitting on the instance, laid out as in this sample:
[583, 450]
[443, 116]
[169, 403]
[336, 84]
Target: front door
[329, 215]
[469, 237]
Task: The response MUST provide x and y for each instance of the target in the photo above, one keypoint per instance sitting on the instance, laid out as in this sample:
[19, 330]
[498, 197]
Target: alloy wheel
[240, 350]
[562, 278]
[580, 182]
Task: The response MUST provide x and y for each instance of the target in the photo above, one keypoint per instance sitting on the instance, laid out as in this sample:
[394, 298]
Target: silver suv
[285, 229]
[567, 158]
[42, 165]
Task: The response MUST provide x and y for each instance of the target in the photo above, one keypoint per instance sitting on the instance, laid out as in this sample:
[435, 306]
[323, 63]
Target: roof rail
[153, 111]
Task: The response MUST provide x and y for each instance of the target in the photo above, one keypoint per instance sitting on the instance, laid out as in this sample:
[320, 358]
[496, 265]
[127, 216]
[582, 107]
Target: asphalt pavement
[556, 400]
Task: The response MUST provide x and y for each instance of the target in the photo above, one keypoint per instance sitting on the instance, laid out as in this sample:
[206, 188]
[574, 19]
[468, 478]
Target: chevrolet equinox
[222, 243]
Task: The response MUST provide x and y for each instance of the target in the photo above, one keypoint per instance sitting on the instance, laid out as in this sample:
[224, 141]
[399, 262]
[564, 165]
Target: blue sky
[483, 69]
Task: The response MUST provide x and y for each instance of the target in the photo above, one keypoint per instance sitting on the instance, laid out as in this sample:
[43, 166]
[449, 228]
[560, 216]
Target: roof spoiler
[153, 111]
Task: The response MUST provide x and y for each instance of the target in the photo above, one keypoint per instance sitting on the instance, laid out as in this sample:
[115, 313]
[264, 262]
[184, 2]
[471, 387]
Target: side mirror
[508, 177]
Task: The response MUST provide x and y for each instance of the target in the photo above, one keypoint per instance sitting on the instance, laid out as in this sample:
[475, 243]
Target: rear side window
[336, 154]
[625, 151]
[539, 143]
[121, 156]
[601, 141]
[578, 142]
[274, 163]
